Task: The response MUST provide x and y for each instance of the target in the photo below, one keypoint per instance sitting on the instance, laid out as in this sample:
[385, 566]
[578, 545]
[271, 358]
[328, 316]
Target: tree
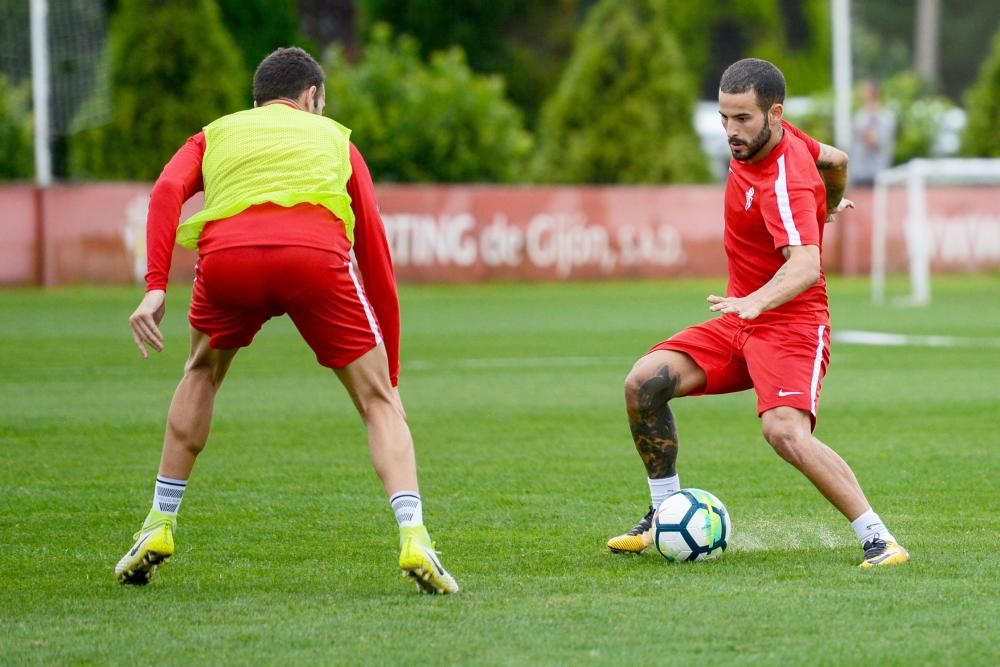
[172, 69]
[966, 30]
[525, 41]
[420, 122]
[623, 110]
[261, 26]
[983, 105]
[920, 116]
[793, 34]
[16, 160]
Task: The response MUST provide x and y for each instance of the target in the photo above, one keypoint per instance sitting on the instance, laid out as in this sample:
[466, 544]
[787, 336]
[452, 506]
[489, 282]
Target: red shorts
[236, 290]
[784, 363]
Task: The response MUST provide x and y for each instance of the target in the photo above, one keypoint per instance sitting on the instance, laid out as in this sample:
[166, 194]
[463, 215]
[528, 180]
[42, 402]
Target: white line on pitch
[518, 362]
[884, 339]
[849, 337]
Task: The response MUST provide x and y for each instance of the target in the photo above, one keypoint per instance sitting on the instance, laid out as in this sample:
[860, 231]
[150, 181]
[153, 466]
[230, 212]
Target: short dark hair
[285, 73]
[762, 77]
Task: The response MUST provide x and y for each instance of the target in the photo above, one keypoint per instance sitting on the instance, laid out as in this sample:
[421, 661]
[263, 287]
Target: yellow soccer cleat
[879, 553]
[418, 561]
[154, 545]
[636, 540]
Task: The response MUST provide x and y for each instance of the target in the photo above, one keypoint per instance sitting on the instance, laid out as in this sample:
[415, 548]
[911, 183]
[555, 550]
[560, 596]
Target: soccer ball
[692, 524]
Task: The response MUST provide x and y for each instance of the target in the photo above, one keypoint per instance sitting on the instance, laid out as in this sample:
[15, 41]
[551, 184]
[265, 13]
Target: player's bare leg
[391, 446]
[654, 380]
[188, 423]
[389, 440]
[788, 430]
[190, 417]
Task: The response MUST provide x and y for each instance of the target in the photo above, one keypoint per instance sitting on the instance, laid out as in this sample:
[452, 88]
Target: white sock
[869, 526]
[168, 494]
[659, 489]
[408, 508]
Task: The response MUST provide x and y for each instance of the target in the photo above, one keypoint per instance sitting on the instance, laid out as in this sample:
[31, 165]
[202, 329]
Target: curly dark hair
[758, 75]
[285, 73]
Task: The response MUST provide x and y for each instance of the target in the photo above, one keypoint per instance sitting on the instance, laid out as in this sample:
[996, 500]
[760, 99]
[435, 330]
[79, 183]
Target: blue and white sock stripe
[168, 494]
[407, 507]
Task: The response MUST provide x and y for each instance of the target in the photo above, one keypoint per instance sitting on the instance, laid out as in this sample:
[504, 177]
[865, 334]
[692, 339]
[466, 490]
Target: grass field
[287, 548]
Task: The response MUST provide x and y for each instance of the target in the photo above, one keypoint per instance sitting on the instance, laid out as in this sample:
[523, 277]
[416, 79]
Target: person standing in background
[874, 137]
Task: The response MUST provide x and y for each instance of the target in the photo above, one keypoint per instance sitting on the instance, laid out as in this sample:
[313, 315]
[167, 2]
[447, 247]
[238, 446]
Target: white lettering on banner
[971, 239]
[501, 244]
[563, 240]
[659, 245]
[558, 241]
[426, 240]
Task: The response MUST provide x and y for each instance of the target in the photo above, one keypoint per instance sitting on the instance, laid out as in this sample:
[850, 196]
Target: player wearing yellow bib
[287, 198]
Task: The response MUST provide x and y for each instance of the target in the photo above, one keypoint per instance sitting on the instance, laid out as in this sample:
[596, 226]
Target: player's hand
[842, 206]
[145, 321]
[742, 307]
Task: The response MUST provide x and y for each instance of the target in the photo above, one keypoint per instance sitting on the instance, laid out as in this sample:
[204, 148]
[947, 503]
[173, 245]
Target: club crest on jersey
[750, 193]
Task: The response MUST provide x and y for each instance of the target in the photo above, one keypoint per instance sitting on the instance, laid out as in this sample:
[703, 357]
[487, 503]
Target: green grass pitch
[287, 547]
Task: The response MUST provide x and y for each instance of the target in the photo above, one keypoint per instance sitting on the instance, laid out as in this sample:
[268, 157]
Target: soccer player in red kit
[286, 194]
[773, 334]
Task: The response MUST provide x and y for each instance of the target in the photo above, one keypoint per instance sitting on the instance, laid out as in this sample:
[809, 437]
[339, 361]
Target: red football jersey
[777, 202]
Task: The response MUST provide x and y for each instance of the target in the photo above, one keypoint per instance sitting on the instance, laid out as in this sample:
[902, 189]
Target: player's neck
[287, 101]
[772, 143]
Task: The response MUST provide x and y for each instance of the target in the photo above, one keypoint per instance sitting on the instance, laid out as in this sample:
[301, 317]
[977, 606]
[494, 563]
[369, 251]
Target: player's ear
[776, 112]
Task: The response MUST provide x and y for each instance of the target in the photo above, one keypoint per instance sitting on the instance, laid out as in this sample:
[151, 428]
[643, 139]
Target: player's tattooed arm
[800, 271]
[832, 165]
[653, 427]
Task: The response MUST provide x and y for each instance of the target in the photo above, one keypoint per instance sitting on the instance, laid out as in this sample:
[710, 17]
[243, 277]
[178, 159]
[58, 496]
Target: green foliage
[173, 68]
[817, 119]
[422, 122]
[884, 32]
[528, 42]
[524, 40]
[920, 115]
[623, 110]
[983, 105]
[877, 55]
[16, 160]
[261, 26]
[436, 25]
[794, 36]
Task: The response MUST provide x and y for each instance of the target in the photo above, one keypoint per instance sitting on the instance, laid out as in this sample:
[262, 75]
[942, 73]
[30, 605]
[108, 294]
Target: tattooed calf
[653, 428]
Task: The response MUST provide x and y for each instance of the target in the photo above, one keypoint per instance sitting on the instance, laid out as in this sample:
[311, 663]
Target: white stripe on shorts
[364, 302]
[817, 363]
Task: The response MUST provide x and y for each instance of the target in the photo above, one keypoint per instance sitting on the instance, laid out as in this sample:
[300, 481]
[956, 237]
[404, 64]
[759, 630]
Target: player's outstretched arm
[145, 321]
[832, 165]
[800, 271]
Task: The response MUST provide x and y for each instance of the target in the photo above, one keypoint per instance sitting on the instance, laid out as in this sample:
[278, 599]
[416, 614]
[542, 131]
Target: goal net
[73, 36]
[934, 215]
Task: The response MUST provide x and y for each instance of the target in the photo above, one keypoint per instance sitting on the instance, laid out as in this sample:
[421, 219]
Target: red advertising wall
[95, 233]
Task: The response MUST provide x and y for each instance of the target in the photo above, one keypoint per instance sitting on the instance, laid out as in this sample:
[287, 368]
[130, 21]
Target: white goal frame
[916, 175]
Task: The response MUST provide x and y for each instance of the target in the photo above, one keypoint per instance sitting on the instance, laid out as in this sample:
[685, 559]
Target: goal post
[916, 176]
